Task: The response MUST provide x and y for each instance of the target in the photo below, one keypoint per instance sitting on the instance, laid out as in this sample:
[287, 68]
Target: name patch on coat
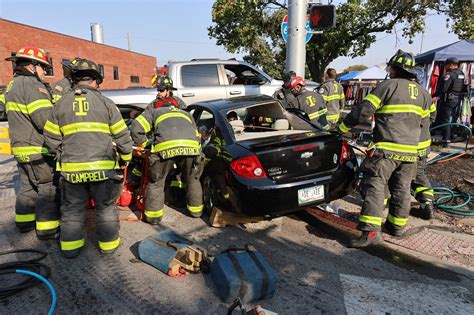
[86, 177]
[170, 153]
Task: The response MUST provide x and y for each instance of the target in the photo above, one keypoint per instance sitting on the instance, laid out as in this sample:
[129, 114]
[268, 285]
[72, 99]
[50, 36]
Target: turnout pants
[216, 169]
[37, 202]
[73, 210]
[380, 172]
[155, 195]
[421, 185]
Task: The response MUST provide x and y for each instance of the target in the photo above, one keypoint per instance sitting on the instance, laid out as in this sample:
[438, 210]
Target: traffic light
[322, 16]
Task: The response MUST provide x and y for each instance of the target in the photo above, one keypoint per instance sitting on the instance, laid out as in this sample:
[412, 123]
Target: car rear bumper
[276, 200]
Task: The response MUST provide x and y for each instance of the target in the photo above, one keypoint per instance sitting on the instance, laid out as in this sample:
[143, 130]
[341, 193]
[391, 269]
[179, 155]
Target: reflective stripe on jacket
[173, 131]
[425, 135]
[313, 104]
[89, 135]
[28, 106]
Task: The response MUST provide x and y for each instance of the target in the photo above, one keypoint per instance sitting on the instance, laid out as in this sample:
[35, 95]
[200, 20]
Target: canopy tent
[463, 50]
[358, 84]
[432, 61]
[348, 76]
[372, 73]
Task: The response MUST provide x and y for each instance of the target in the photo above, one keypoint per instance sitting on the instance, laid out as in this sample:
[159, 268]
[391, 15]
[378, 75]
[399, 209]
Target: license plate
[310, 194]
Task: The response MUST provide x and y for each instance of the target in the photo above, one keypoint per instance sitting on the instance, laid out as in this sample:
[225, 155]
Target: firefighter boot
[390, 229]
[426, 210]
[368, 238]
[154, 221]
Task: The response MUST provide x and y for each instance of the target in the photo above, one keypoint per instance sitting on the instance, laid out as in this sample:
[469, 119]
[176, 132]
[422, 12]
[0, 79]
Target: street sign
[284, 29]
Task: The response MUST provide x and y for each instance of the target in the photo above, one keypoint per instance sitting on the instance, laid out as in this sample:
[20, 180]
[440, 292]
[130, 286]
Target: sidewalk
[433, 241]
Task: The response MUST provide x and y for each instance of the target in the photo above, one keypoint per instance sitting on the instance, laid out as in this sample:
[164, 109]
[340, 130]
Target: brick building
[121, 68]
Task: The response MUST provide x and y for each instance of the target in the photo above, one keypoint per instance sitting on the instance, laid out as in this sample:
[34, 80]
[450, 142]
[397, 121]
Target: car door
[200, 82]
[244, 80]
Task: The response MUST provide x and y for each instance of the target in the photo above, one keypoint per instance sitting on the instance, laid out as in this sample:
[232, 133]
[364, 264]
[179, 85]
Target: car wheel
[209, 194]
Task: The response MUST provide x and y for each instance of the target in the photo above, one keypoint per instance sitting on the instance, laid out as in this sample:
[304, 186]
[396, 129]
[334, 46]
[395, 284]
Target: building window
[135, 79]
[101, 71]
[50, 71]
[116, 73]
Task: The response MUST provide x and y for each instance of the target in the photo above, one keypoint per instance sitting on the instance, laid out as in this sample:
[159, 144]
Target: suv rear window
[199, 75]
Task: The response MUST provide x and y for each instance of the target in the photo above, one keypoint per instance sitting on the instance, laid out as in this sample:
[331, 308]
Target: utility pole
[296, 46]
[128, 40]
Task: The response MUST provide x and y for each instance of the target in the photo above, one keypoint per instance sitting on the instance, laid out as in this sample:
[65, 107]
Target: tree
[354, 68]
[253, 27]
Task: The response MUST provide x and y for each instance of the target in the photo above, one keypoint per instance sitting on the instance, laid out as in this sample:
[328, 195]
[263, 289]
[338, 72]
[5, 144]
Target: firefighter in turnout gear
[175, 139]
[63, 86]
[451, 91]
[284, 95]
[164, 86]
[28, 105]
[92, 143]
[218, 158]
[2, 106]
[310, 102]
[333, 94]
[399, 105]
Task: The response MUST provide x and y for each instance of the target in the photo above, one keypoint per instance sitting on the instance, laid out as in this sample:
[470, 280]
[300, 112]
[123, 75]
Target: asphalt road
[317, 274]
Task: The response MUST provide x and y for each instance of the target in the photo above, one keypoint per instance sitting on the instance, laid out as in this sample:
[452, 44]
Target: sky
[177, 29]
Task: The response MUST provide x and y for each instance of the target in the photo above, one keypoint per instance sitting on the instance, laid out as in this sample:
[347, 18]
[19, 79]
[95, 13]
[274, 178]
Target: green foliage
[460, 15]
[252, 27]
[354, 68]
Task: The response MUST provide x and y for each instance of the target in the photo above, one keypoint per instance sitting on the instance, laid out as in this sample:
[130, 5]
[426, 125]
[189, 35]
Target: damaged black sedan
[266, 161]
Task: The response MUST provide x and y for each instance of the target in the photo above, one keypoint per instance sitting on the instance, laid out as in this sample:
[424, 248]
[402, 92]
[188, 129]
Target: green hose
[444, 196]
[468, 138]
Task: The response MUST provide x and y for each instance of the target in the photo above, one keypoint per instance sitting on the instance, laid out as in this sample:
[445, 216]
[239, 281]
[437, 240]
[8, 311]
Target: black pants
[73, 211]
[450, 112]
[155, 195]
[38, 198]
[379, 173]
[421, 184]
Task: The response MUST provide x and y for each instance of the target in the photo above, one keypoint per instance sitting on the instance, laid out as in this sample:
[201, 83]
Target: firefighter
[450, 91]
[175, 140]
[310, 102]
[64, 85]
[218, 158]
[399, 105]
[333, 94]
[165, 88]
[92, 143]
[28, 105]
[284, 95]
[2, 106]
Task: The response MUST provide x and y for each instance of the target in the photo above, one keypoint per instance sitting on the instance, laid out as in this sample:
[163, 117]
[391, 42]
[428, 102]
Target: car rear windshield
[263, 120]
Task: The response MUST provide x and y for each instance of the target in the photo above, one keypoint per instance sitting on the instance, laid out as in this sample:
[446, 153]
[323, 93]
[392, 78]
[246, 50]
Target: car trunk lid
[296, 156]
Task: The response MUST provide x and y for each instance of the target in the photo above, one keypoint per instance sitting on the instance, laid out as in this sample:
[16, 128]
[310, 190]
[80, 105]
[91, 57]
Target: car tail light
[305, 147]
[345, 152]
[248, 167]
